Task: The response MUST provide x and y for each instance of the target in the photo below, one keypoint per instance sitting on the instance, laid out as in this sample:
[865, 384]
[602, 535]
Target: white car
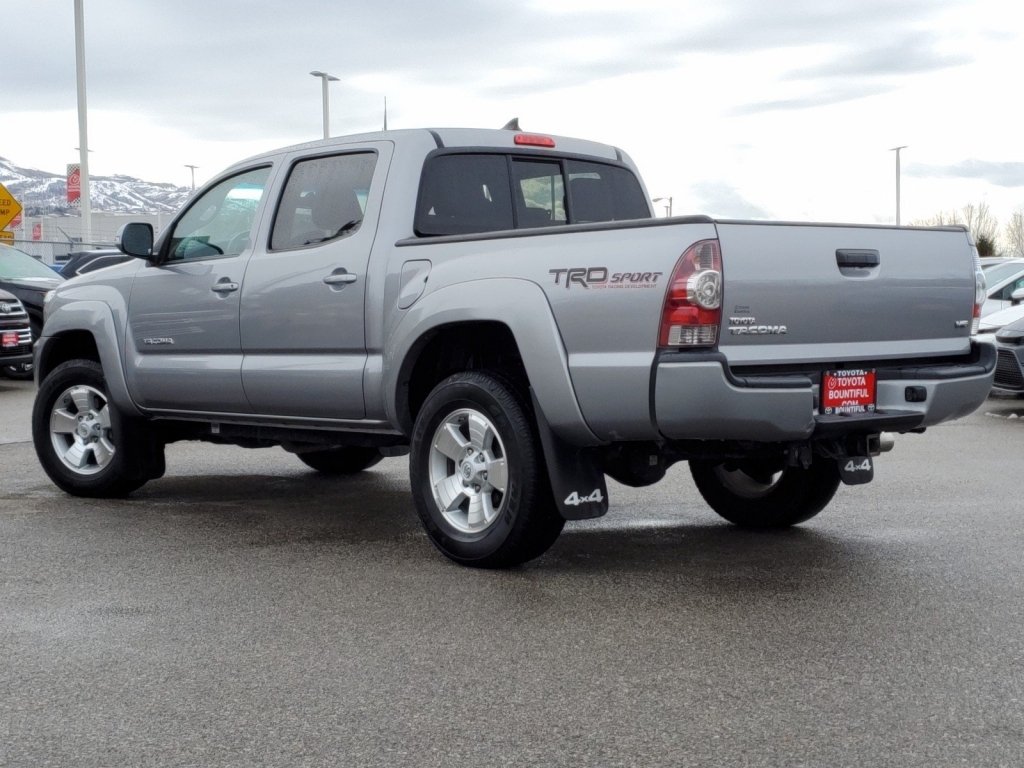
[991, 323]
[1001, 281]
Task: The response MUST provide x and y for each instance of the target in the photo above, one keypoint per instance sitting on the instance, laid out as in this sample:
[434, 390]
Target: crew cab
[503, 307]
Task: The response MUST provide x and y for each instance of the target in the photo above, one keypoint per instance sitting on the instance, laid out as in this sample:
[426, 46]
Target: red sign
[15, 222]
[850, 391]
[74, 183]
[37, 231]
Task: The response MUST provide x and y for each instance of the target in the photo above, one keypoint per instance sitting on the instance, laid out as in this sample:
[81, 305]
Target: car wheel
[86, 446]
[478, 476]
[754, 496]
[21, 371]
[341, 461]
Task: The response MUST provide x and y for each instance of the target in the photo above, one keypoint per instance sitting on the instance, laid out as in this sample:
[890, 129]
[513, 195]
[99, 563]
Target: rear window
[469, 193]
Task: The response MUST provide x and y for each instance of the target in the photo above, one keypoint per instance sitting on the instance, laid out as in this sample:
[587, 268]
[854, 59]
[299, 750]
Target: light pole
[668, 208]
[193, 169]
[84, 201]
[897, 151]
[324, 79]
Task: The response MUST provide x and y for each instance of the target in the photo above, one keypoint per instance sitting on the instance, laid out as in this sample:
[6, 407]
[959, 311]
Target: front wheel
[86, 446]
[753, 495]
[478, 476]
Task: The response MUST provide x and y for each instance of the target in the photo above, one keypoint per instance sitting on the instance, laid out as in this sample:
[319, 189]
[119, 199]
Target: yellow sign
[6, 237]
[9, 207]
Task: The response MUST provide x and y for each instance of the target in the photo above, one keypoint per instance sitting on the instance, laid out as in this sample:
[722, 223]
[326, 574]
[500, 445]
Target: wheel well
[475, 346]
[75, 345]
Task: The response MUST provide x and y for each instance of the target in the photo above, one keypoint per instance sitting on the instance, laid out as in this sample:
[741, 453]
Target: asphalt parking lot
[244, 611]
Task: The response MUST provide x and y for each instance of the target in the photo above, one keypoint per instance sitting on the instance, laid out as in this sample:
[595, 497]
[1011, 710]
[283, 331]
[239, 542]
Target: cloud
[1003, 174]
[818, 98]
[719, 199]
[906, 55]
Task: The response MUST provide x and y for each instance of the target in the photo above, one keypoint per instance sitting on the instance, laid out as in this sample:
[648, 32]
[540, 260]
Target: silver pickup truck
[503, 307]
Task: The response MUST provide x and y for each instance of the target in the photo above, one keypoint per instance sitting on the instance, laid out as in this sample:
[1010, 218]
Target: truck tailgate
[797, 293]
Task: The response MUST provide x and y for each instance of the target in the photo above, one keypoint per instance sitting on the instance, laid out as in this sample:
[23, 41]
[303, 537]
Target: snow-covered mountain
[42, 193]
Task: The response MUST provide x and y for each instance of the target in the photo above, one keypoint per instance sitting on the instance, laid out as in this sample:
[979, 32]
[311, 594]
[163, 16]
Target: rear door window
[323, 200]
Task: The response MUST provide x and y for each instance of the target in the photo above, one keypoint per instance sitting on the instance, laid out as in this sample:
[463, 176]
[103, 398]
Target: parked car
[28, 279]
[992, 261]
[1010, 359]
[15, 337]
[991, 323]
[82, 262]
[1001, 281]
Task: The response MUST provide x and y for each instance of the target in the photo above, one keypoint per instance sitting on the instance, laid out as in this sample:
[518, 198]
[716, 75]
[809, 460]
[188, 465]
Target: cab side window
[323, 200]
[220, 222]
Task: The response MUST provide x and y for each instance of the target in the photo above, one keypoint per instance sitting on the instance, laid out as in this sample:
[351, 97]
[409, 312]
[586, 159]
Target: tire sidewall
[124, 472]
[459, 392]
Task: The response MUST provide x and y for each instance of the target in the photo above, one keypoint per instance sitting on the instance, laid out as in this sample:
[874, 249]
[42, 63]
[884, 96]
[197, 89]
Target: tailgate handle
[857, 257]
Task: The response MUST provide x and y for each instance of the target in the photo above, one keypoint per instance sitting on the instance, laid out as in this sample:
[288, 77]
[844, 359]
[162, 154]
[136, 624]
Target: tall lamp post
[668, 208]
[324, 80]
[193, 169]
[897, 151]
[85, 205]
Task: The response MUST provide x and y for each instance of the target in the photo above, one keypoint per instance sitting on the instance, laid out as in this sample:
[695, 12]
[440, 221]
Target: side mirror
[136, 239]
[1017, 296]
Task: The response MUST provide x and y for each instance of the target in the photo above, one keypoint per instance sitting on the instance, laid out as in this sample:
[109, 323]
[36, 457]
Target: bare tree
[1013, 235]
[977, 218]
[980, 221]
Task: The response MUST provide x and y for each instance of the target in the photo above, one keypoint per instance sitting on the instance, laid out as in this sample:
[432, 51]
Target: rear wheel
[341, 461]
[753, 495]
[86, 446]
[478, 475]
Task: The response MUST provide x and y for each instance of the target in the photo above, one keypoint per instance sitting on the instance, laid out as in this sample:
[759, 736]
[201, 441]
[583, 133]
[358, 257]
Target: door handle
[340, 278]
[224, 286]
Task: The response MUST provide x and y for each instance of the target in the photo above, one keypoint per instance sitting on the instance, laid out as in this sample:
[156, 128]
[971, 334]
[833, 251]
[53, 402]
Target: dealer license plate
[849, 391]
[9, 340]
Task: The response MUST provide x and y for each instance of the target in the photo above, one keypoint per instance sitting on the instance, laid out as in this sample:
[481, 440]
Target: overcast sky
[779, 109]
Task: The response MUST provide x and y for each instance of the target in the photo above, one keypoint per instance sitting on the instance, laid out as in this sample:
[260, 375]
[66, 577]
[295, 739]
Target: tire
[477, 473]
[751, 497]
[20, 372]
[341, 461]
[86, 446]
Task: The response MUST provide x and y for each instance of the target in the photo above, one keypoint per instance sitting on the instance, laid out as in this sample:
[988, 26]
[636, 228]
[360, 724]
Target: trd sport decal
[599, 277]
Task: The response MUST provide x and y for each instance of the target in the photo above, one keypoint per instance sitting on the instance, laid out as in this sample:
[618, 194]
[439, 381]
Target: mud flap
[856, 470]
[577, 483]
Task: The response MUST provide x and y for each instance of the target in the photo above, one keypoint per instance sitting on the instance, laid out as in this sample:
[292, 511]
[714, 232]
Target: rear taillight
[693, 306]
[980, 289]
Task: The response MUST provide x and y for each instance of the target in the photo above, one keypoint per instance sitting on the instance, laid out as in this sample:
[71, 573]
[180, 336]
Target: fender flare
[97, 319]
[523, 308]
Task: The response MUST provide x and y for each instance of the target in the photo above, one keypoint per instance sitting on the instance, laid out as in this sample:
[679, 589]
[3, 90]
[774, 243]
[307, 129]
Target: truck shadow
[375, 510]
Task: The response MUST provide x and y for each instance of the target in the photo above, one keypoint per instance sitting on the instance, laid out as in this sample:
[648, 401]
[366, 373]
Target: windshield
[17, 265]
[999, 272]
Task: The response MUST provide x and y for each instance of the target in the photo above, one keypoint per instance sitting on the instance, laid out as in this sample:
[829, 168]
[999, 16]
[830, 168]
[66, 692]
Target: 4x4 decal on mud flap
[574, 499]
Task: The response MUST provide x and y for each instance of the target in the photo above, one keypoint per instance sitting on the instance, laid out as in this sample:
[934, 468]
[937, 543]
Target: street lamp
[668, 208]
[193, 169]
[84, 201]
[897, 151]
[324, 79]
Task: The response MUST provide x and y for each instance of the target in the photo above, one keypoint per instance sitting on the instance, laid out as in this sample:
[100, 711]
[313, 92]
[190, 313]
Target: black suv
[15, 336]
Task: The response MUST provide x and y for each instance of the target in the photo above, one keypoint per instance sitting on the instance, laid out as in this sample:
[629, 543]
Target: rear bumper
[697, 397]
